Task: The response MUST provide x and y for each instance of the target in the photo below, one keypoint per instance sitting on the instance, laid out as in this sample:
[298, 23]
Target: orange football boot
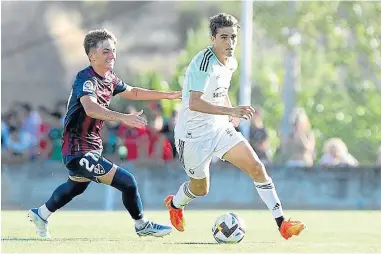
[290, 228]
[176, 215]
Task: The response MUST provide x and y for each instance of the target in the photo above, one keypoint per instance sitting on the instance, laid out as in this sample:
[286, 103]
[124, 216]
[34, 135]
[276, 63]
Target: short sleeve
[198, 80]
[85, 87]
[121, 87]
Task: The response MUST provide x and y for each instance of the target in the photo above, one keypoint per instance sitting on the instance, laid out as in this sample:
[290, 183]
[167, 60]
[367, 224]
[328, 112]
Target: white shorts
[196, 157]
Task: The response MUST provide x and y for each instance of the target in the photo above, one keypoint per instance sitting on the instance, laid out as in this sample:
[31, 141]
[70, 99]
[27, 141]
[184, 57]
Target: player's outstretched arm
[137, 93]
[94, 110]
[196, 103]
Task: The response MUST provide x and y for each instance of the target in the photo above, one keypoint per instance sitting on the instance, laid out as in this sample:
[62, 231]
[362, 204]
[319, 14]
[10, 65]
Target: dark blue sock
[126, 183]
[65, 193]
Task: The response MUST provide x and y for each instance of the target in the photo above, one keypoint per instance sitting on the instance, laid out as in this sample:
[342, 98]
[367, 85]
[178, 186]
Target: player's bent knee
[199, 187]
[199, 190]
[124, 181]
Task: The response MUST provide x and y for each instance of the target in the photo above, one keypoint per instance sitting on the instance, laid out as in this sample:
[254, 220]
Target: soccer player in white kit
[205, 128]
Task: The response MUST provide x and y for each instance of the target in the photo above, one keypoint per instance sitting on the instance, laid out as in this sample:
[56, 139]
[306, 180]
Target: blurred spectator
[13, 118]
[156, 121]
[55, 118]
[20, 146]
[299, 146]
[155, 107]
[132, 138]
[160, 147]
[146, 144]
[111, 140]
[31, 120]
[55, 136]
[335, 153]
[259, 138]
[5, 133]
[44, 143]
[18, 140]
[51, 131]
[169, 128]
[378, 161]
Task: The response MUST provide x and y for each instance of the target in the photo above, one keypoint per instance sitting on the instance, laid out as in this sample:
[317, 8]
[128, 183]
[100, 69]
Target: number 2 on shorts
[85, 162]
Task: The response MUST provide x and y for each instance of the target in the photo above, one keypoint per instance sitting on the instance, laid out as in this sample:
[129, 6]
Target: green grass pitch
[109, 232]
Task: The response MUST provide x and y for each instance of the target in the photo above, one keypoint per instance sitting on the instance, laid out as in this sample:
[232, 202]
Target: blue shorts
[89, 165]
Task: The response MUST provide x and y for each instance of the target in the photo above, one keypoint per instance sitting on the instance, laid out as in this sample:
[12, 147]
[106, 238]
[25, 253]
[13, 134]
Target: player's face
[225, 41]
[104, 55]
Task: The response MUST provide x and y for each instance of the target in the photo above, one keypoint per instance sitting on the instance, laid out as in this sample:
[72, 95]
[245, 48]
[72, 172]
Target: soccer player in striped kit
[87, 109]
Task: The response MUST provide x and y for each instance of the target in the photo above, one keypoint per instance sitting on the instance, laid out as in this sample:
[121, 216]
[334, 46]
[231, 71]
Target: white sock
[268, 194]
[183, 196]
[141, 223]
[44, 212]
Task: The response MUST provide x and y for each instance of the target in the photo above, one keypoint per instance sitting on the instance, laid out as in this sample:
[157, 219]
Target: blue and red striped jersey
[81, 132]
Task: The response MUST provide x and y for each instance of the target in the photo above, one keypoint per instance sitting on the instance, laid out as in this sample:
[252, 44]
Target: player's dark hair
[222, 20]
[93, 37]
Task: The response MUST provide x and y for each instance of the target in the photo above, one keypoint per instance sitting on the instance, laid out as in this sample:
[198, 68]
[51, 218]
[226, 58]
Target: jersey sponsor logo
[220, 92]
[88, 86]
[230, 132]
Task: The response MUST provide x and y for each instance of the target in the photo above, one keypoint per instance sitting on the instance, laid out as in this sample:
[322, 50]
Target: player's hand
[245, 112]
[173, 95]
[136, 119]
[235, 121]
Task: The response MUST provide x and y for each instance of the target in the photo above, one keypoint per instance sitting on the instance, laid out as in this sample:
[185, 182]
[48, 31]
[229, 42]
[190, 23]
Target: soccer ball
[228, 228]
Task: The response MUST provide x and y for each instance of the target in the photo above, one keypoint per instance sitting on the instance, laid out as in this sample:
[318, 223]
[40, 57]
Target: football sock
[44, 212]
[279, 221]
[141, 223]
[183, 196]
[269, 196]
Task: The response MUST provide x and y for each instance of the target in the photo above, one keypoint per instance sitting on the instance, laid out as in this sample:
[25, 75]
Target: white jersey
[208, 75]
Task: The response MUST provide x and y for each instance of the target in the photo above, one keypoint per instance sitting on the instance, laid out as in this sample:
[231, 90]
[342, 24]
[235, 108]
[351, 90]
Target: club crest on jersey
[99, 169]
[88, 86]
